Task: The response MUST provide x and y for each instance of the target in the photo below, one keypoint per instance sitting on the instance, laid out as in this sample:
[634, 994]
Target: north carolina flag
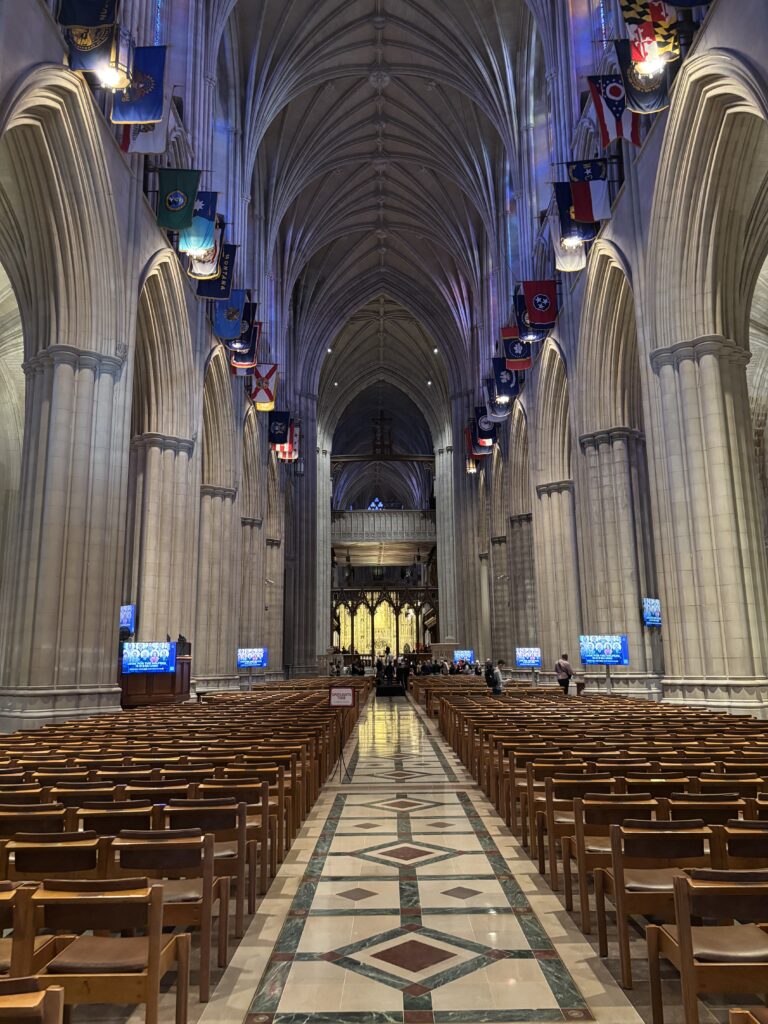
[590, 200]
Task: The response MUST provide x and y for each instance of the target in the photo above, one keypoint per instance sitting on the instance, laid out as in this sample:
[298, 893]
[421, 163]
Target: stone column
[522, 582]
[159, 551]
[712, 563]
[252, 587]
[501, 631]
[60, 605]
[557, 572]
[274, 603]
[446, 544]
[323, 548]
[615, 572]
[214, 651]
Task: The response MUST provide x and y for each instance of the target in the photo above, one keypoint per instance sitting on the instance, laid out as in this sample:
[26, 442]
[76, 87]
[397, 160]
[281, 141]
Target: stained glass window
[376, 505]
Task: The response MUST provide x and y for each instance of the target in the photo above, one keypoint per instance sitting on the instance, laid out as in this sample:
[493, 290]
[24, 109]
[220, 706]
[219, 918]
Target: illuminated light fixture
[330, 350]
[572, 244]
[116, 72]
[471, 467]
[429, 383]
[651, 68]
[435, 350]
[335, 383]
[502, 399]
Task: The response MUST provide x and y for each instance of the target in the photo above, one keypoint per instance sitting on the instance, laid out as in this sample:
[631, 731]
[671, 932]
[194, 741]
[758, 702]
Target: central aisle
[405, 901]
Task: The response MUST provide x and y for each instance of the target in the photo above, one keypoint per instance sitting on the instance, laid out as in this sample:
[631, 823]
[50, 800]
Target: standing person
[488, 673]
[498, 679]
[564, 672]
[389, 668]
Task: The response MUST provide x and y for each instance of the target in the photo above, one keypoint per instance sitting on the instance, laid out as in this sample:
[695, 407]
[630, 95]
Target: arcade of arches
[385, 169]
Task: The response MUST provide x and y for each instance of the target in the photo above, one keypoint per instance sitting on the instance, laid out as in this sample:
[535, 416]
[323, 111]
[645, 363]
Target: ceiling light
[572, 243]
[330, 350]
[429, 383]
[650, 68]
[435, 350]
[335, 383]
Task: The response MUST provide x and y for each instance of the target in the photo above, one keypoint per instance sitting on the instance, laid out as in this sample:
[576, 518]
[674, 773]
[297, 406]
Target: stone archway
[59, 608]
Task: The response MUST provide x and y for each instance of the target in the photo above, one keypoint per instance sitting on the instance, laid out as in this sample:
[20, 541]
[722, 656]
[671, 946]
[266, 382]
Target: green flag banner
[176, 202]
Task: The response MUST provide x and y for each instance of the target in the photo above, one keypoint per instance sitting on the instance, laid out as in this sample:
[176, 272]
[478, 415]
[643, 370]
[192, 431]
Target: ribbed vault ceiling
[379, 133]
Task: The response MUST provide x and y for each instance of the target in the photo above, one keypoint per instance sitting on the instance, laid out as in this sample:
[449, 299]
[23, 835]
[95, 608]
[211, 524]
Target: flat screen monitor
[252, 657]
[140, 658]
[528, 657]
[128, 617]
[604, 650]
[463, 656]
[652, 611]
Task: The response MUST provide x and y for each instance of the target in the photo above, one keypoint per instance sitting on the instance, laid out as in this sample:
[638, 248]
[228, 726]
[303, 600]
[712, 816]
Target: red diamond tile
[461, 892]
[406, 853]
[418, 1016]
[414, 956]
[357, 894]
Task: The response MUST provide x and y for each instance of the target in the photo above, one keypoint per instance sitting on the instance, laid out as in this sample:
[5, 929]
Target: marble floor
[406, 901]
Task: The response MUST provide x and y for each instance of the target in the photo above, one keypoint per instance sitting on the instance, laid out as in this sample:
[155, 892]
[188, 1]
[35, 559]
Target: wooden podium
[148, 688]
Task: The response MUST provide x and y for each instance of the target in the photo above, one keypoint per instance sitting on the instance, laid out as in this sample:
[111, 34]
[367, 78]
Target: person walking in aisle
[498, 679]
[564, 673]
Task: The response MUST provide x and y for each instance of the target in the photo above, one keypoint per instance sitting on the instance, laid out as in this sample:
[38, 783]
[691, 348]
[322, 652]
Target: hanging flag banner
[88, 13]
[496, 411]
[285, 447]
[220, 286]
[528, 331]
[507, 381]
[474, 449]
[265, 381]
[200, 236]
[652, 30]
[290, 451]
[572, 232]
[541, 302]
[246, 359]
[142, 101]
[149, 138]
[590, 200]
[178, 189]
[615, 118]
[279, 423]
[205, 267]
[251, 332]
[570, 257]
[486, 428]
[518, 354]
[228, 316]
[646, 93]
[92, 49]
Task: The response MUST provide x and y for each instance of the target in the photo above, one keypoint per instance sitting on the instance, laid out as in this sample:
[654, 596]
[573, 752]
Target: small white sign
[341, 696]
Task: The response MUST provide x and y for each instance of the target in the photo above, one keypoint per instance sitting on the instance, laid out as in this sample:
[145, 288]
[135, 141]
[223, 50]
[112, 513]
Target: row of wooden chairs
[659, 807]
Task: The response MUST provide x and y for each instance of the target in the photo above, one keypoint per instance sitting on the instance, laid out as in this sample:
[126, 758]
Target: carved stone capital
[598, 437]
[556, 487]
[211, 491]
[274, 542]
[711, 344]
[164, 442]
[75, 357]
[524, 517]
[247, 521]
[498, 540]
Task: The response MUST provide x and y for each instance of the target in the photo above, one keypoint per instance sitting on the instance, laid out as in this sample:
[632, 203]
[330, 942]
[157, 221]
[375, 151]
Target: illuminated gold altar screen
[383, 628]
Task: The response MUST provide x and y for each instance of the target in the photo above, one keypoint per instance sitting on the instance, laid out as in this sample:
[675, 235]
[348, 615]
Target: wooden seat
[646, 857]
[109, 818]
[24, 1000]
[38, 855]
[192, 893]
[718, 957]
[105, 968]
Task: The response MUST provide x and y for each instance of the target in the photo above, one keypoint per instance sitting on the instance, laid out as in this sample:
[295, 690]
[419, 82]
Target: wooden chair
[556, 816]
[227, 822]
[740, 845]
[262, 827]
[101, 968]
[646, 857]
[39, 855]
[107, 819]
[658, 784]
[756, 1016]
[192, 894]
[712, 958]
[23, 1000]
[590, 843]
[713, 808]
[30, 818]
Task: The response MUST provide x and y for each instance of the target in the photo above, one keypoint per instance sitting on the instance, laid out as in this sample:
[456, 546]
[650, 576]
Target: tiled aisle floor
[404, 901]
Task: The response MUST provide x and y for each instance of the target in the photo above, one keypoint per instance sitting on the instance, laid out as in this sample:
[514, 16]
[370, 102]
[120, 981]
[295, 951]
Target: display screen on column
[463, 656]
[528, 657]
[128, 617]
[140, 658]
[252, 657]
[604, 650]
[652, 611]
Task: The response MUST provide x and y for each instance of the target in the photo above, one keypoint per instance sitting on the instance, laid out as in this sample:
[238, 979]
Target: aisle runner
[408, 914]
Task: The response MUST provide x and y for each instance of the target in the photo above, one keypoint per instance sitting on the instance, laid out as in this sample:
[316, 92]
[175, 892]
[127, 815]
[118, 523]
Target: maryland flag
[652, 30]
[265, 381]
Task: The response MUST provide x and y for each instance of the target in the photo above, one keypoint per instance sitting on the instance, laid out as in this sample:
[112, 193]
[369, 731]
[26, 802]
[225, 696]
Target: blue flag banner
[527, 331]
[646, 94]
[279, 425]
[486, 428]
[220, 287]
[90, 49]
[571, 229]
[142, 101]
[518, 354]
[228, 316]
[497, 412]
[201, 235]
[247, 358]
[507, 381]
[88, 13]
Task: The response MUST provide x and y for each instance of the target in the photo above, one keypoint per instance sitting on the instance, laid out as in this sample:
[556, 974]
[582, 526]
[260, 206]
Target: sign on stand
[341, 696]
